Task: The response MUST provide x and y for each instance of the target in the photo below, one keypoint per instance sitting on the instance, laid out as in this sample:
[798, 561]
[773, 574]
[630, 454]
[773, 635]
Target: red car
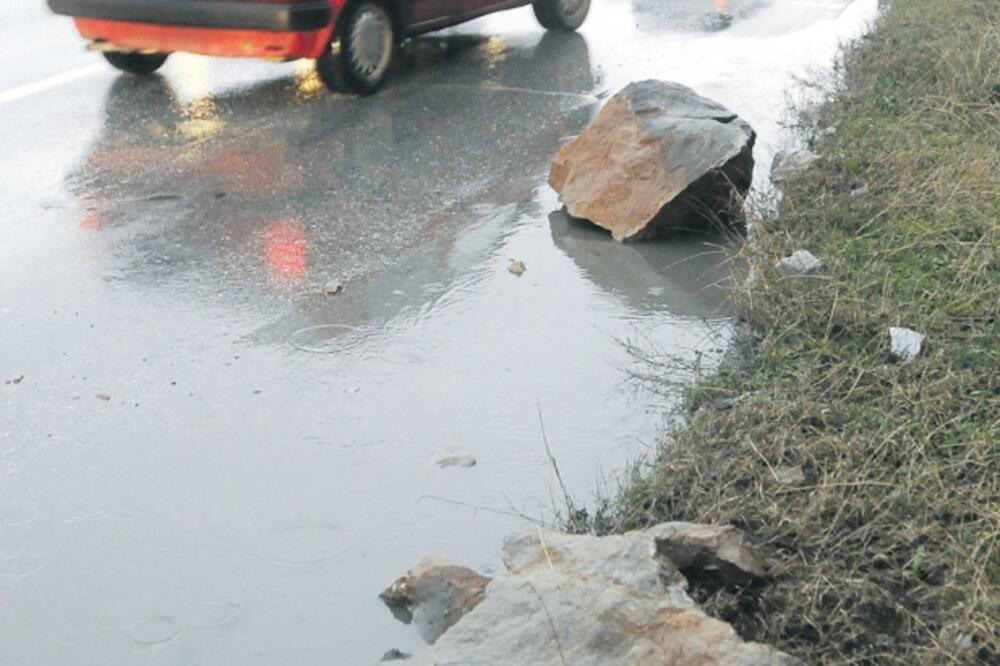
[352, 41]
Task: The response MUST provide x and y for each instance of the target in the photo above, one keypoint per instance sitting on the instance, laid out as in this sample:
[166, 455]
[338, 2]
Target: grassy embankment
[888, 551]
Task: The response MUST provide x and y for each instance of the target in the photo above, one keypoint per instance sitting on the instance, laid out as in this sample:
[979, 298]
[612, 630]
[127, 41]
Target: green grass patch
[888, 553]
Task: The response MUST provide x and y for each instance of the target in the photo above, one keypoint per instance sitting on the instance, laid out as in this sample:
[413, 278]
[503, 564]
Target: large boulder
[594, 601]
[657, 157]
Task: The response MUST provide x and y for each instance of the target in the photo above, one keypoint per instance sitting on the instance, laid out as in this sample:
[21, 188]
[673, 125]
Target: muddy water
[209, 460]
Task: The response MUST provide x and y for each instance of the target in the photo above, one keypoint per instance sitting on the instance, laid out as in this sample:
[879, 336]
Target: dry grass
[888, 553]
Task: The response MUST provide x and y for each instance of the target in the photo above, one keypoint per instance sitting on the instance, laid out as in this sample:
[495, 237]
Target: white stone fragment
[905, 344]
[452, 458]
[801, 262]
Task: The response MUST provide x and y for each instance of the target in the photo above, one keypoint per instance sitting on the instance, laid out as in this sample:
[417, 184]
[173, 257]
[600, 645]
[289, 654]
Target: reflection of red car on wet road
[352, 41]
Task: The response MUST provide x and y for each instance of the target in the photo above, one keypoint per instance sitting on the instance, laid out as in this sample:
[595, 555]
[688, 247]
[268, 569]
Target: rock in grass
[452, 458]
[905, 344]
[434, 595]
[719, 554]
[788, 164]
[723, 404]
[790, 475]
[591, 601]
[800, 262]
[658, 157]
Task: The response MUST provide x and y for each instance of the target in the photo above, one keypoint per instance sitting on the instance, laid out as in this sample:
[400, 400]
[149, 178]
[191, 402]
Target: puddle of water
[14, 514]
[18, 565]
[327, 339]
[154, 629]
[305, 544]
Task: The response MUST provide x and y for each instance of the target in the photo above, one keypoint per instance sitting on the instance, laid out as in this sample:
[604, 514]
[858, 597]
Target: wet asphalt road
[204, 459]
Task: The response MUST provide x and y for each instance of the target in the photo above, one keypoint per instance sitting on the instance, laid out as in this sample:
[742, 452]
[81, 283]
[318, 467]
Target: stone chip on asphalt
[452, 458]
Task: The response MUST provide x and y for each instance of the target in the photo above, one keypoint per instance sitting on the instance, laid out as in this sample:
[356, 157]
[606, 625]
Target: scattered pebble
[790, 476]
[964, 642]
[452, 458]
[332, 288]
[905, 344]
[726, 403]
[801, 262]
[103, 396]
[16, 380]
[517, 267]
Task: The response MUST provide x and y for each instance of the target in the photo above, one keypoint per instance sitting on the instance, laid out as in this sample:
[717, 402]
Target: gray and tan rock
[789, 164]
[434, 595]
[720, 553]
[658, 156]
[594, 601]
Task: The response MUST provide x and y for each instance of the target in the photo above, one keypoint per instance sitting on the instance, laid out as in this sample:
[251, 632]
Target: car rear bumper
[280, 16]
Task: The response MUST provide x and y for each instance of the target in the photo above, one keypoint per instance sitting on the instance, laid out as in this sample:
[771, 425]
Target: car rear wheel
[358, 58]
[561, 15]
[135, 63]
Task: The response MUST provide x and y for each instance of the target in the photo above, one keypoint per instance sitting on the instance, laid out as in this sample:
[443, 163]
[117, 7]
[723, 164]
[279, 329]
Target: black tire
[358, 58]
[561, 15]
[142, 64]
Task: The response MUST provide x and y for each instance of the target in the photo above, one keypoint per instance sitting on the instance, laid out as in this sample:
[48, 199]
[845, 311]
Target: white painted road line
[29, 89]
